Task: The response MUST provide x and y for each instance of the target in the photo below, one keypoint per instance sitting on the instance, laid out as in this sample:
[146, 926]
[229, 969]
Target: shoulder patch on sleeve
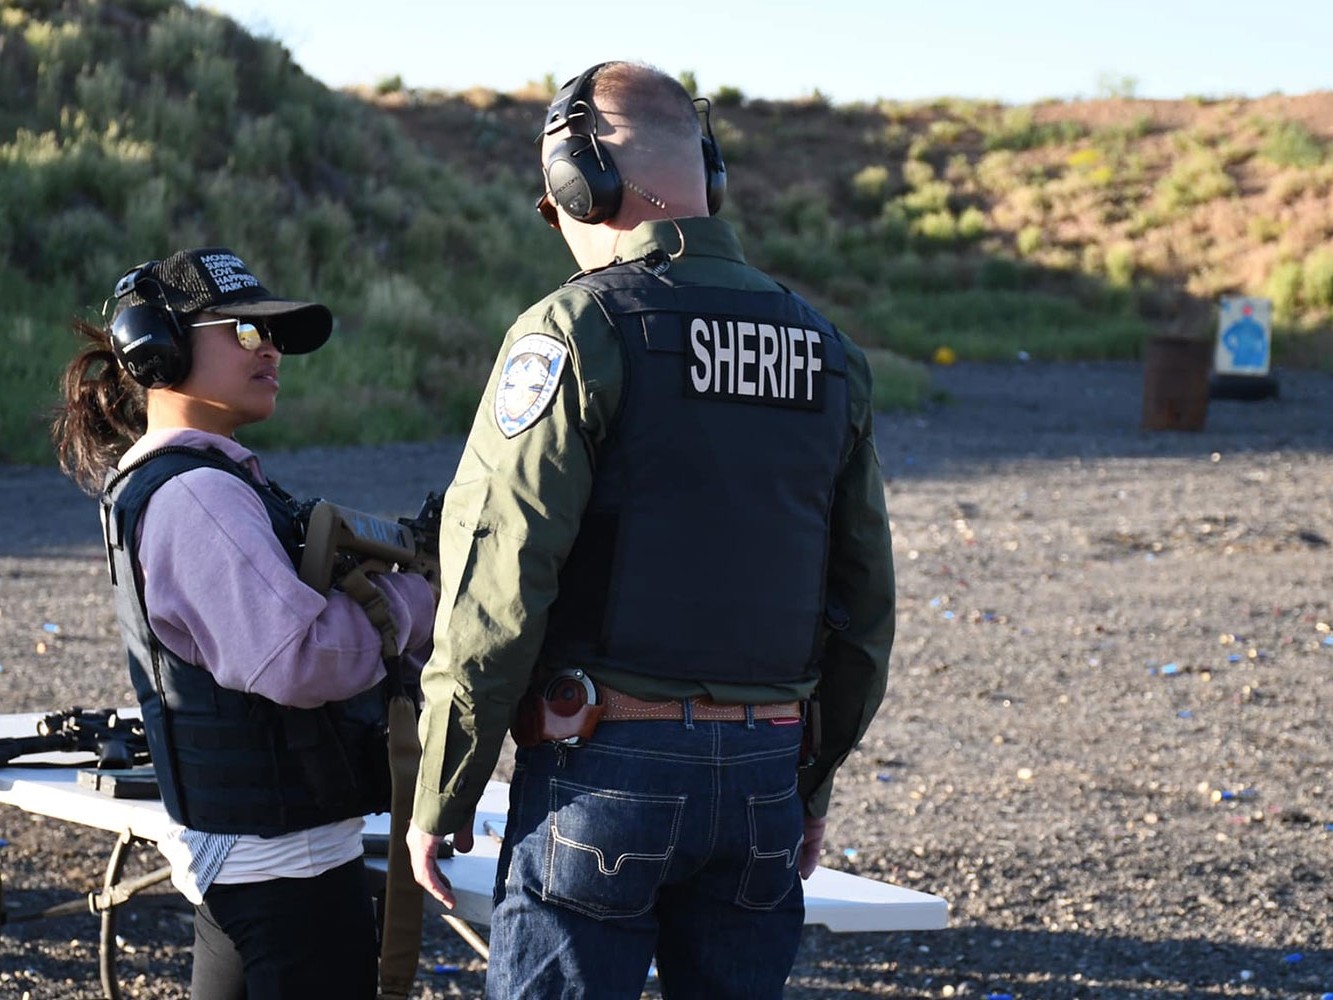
[528, 381]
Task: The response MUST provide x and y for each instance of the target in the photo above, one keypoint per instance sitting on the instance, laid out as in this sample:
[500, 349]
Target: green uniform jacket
[514, 509]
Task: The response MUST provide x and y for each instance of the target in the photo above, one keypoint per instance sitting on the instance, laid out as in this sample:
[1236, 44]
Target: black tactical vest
[227, 761]
[702, 553]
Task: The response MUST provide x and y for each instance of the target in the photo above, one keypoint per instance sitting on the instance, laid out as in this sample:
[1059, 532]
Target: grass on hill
[130, 128]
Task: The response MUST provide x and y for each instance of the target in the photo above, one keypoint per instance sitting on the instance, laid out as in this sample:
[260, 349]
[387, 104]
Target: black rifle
[117, 742]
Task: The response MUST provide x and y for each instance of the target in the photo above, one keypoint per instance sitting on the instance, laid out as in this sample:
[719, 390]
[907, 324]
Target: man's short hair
[657, 107]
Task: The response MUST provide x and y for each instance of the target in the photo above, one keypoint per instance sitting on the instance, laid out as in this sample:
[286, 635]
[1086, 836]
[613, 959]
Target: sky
[848, 50]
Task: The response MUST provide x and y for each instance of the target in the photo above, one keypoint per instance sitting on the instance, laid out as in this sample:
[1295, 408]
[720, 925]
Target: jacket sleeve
[855, 664]
[510, 517]
[222, 592]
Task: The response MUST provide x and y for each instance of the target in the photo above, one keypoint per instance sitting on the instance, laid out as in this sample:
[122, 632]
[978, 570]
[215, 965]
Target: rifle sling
[400, 946]
[358, 586]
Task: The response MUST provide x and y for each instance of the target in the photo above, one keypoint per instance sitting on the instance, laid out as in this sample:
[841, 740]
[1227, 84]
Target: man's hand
[811, 845]
[424, 848]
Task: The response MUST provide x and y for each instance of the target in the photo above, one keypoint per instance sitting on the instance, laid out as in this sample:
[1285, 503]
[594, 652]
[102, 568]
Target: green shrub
[972, 223]
[100, 91]
[893, 226]
[946, 131]
[1284, 288]
[1197, 179]
[1000, 273]
[167, 120]
[1018, 129]
[929, 198]
[936, 228]
[870, 185]
[918, 173]
[1120, 264]
[728, 97]
[1115, 140]
[897, 382]
[179, 37]
[1264, 228]
[958, 171]
[212, 78]
[805, 260]
[1317, 279]
[803, 210]
[66, 237]
[147, 216]
[1029, 240]
[998, 171]
[1290, 144]
[918, 148]
[261, 145]
[330, 239]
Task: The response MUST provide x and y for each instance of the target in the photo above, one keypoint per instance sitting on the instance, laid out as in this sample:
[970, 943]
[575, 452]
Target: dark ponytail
[103, 411]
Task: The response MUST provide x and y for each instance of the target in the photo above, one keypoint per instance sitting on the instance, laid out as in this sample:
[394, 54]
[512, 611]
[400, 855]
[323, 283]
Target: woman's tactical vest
[702, 553]
[227, 761]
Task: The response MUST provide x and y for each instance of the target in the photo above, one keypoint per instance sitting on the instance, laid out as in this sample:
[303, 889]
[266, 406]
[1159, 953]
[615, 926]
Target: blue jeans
[653, 838]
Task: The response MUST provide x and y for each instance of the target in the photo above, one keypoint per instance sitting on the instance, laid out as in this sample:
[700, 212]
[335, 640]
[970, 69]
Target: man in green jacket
[665, 544]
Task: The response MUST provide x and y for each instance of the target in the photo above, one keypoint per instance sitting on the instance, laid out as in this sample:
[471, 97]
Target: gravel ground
[1105, 740]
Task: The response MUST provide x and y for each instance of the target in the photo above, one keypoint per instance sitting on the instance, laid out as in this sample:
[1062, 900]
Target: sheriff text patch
[754, 362]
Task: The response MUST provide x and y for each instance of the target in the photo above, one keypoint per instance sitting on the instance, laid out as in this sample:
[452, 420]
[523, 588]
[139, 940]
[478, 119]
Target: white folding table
[837, 900]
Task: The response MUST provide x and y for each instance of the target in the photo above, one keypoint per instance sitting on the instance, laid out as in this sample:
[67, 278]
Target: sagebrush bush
[1017, 128]
[1284, 288]
[870, 185]
[918, 173]
[728, 97]
[1029, 240]
[1317, 279]
[100, 91]
[181, 36]
[936, 228]
[929, 198]
[1194, 180]
[1291, 144]
[1120, 264]
[972, 223]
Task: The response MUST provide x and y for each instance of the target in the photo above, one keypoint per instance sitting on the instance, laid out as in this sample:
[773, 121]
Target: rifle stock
[340, 538]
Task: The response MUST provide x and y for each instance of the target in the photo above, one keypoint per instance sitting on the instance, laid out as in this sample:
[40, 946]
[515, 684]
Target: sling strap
[400, 939]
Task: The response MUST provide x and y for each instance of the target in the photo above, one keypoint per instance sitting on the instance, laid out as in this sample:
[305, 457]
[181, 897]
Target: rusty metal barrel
[1175, 383]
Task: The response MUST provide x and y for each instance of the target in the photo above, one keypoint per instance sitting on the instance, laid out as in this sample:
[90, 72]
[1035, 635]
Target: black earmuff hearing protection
[715, 170]
[582, 177]
[147, 339]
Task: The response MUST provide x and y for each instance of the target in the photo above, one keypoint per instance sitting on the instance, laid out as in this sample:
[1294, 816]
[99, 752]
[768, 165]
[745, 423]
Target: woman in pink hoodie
[263, 699]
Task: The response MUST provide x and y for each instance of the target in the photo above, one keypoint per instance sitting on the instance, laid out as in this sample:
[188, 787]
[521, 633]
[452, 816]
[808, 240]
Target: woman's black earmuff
[580, 173]
[147, 339]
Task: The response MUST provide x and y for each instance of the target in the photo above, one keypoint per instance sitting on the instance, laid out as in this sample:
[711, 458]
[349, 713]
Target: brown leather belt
[621, 707]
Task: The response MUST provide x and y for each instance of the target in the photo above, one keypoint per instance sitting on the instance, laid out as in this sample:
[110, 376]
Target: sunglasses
[546, 208]
[248, 335]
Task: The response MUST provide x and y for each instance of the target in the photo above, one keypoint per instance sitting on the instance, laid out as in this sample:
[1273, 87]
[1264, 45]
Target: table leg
[113, 894]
